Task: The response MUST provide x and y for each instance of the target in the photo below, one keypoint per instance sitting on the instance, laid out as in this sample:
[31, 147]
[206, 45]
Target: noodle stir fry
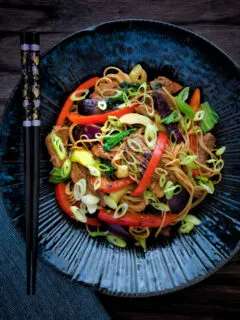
[132, 157]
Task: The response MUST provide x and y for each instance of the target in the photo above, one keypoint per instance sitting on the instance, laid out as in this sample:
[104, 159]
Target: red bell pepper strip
[109, 186]
[176, 87]
[133, 219]
[65, 205]
[194, 103]
[100, 118]
[68, 104]
[156, 156]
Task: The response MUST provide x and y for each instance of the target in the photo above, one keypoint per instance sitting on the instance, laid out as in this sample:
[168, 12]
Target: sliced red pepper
[100, 118]
[68, 104]
[65, 205]
[109, 186]
[133, 219]
[194, 103]
[153, 163]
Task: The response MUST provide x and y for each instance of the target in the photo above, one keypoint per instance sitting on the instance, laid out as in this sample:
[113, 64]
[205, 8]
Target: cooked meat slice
[95, 95]
[155, 188]
[142, 110]
[98, 151]
[78, 172]
[209, 140]
[63, 133]
[163, 82]
[142, 158]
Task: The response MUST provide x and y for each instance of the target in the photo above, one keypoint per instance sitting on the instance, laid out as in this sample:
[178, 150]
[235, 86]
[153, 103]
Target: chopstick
[30, 57]
[35, 59]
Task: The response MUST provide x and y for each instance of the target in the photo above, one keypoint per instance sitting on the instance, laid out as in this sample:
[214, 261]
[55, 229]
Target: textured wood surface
[219, 21]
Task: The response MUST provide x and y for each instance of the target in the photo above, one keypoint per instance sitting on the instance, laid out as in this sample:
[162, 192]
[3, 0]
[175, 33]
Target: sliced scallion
[186, 227]
[79, 95]
[116, 241]
[102, 105]
[58, 146]
[150, 136]
[191, 218]
[120, 211]
[79, 215]
[80, 189]
[220, 151]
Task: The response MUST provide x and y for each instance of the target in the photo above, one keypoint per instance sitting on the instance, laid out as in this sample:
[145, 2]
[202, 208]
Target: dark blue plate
[169, 264]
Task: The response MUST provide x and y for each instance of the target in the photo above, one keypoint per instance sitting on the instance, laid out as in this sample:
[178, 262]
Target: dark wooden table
[219, 21]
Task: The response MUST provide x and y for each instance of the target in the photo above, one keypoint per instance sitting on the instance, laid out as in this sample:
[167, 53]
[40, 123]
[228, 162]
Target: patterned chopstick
[25, 41]
[30, 60]
[35, 90]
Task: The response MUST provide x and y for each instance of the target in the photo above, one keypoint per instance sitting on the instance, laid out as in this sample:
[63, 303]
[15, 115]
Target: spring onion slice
[134, 145]
[79, 215]
[218, 165]
[102, 105]
[94, 171]
[142, 243]
[186, 227]
[173, 138]
[120, 211]
[58, 146]
[171, 189]
[66, 168]
[110, 202]
[160, 206]
[193, 219]
[220, 151]
[90, 199]
[116, 241]
[208, 186]
[187, 160]
[162, 180]
[97, 183]
[95, 234]
[80, 189]
[160, 171]
[186, 123]
[82, 93]
[102, 167]
[149, 196]
[175, 116]
[150, 136]
[115, 121]
[199, 115]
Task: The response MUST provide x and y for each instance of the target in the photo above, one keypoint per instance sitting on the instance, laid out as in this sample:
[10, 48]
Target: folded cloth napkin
[57, 297]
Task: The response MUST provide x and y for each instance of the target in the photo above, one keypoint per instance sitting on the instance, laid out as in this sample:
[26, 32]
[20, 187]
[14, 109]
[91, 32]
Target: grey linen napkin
[57, 297]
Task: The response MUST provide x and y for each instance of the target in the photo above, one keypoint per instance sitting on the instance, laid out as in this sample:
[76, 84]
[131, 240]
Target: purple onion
[88, 130]
[178, 201]
[165, 111]
[118, 230]
[88, 107]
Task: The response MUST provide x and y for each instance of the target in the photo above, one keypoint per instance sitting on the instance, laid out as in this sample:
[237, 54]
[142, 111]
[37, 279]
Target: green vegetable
[175, 116]
[84, 157]
[108, 163]
[220, 151]
[142, 243]
[58, 146]
[209, 119]
[97, 234]
[207, 185]
[116, 241]
[66, 168]
[186, 227]
[62, 174]
[183, 106]
[191, 218]
[113, 140]
[171, 189]
[188, 161]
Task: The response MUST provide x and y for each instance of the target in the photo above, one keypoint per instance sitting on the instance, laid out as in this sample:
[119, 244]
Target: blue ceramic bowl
[169, 264]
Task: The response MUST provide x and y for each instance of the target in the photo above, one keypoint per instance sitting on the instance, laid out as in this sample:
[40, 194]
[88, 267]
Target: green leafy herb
[184, 106]
[113, 140]
[175, 116]
[210, 117]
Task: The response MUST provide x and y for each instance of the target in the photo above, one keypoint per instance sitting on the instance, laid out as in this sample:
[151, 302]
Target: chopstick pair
[30, 61]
